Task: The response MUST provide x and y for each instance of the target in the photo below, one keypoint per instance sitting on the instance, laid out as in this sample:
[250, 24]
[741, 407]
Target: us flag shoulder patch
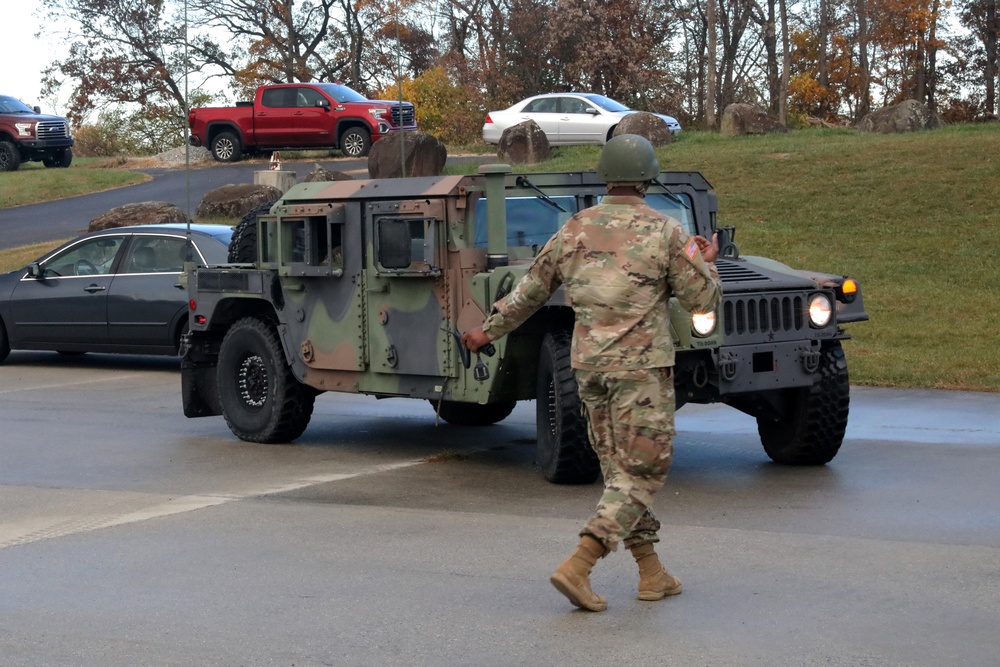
[692, 249]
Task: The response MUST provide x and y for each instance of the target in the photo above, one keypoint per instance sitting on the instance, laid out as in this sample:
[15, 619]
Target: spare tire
[243, 245]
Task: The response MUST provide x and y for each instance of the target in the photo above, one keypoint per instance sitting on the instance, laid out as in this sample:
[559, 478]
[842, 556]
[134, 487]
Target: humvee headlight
[820, 310]
[703, 323]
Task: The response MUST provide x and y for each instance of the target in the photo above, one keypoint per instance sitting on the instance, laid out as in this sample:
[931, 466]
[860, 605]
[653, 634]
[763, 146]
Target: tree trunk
[786, 64]
[864, 104]
[992, 29]
[771, 46]
[710, 88]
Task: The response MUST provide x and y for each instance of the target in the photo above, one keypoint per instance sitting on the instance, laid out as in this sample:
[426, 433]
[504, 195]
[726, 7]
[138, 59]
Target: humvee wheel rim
[253, 381]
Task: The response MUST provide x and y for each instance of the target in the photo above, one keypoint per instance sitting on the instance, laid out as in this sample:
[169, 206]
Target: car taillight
[488, 119]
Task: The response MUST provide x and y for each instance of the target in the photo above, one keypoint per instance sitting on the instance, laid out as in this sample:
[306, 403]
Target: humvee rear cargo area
[365, 286]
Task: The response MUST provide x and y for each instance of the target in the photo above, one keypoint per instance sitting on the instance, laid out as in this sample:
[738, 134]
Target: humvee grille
[225, 281]
[763, 315]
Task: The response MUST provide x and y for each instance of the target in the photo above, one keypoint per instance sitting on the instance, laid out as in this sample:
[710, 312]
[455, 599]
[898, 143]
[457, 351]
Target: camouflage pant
[630, 417]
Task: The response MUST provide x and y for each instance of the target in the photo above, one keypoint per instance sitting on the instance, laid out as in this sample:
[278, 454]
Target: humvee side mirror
[394, 244]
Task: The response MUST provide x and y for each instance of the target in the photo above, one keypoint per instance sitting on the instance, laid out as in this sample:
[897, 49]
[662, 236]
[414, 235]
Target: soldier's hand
[709, 249]
[475, 339]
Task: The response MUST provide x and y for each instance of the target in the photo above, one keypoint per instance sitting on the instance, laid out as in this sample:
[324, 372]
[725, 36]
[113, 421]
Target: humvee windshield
[531, 221]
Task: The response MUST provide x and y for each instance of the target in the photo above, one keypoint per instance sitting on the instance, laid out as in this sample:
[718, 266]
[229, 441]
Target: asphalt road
[130, 535]
[66, 218]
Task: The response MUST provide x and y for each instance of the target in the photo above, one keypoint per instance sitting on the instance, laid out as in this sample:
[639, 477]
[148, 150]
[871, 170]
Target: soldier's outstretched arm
[528, 295]
[694, 281]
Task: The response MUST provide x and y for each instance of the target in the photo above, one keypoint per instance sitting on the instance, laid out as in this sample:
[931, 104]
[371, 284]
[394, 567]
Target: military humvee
[364, 287]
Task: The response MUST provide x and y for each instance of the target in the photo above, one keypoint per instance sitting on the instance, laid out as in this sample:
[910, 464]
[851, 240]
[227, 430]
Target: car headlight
[378, 113]
[820, 310]
[703, 323]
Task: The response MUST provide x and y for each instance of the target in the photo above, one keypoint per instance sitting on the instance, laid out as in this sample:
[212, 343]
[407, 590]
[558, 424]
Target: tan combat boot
[655, 583]
[572, 578]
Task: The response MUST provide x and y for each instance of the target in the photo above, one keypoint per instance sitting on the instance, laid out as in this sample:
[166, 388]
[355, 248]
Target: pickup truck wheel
[261, 399]
[226, 147]
[243, 244]
[355, 142]
[59, 159]
[817, 418]
[564, 452]
[10, 157]
[473, 414]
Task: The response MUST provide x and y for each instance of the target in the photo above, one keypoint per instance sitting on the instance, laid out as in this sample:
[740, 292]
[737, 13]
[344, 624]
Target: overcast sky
[23, 56]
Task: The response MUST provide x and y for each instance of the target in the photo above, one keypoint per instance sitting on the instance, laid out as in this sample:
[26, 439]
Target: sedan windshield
[341, 93]
[606, 103]
[10, 105]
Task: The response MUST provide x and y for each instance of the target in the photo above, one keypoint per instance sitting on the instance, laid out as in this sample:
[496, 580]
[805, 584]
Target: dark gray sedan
[117, 290]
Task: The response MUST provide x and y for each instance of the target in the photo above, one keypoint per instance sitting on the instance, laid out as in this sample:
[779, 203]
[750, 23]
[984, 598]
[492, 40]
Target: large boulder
[908, 116]
[142, 213]
[424, 155]
[233, 201]
[646, 125]
[740, 119]
[322, 174]
[524, 143]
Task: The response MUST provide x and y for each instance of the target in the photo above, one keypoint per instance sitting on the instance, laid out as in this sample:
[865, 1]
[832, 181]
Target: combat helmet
[628, 158]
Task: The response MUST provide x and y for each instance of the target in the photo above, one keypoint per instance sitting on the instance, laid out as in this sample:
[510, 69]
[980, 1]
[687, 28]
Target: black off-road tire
[564, 452]
[243, 245]
[817, 417]
[355, 142]
[473, 414]
[4, 343]
[226, 147]
[59, 159]
[10, 157]
[261, 399]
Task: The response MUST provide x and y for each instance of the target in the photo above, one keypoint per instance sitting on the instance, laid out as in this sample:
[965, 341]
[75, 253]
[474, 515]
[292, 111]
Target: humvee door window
[406, 245]
[667, 206]
[308, 246]
[531, 221]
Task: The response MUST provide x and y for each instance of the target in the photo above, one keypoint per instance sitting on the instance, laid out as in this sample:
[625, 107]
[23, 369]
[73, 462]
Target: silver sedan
[566, 118]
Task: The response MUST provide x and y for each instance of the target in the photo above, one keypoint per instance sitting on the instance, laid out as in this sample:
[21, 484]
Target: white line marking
[36, 530]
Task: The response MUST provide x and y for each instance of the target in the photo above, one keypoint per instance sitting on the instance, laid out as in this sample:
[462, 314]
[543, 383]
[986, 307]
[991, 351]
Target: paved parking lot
[130, 535]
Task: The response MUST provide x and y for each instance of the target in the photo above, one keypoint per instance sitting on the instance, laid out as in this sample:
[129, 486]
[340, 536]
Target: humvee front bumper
[766, 366]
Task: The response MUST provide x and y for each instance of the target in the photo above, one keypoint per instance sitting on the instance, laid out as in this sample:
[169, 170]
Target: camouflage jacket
[620, 261]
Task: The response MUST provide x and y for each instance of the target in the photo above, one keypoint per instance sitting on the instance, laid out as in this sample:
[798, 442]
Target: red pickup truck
[293, 116]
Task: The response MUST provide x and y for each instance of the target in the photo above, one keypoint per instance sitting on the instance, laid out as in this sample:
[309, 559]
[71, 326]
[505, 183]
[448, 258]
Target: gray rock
[233, 201]
[424, 155]
[322, 174]
[646, 125]
[524, 143]
[741, 119]
[142, 213]
[908, 116]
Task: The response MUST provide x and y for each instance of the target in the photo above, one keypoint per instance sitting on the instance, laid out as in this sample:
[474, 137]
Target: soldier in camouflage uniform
[620, 261]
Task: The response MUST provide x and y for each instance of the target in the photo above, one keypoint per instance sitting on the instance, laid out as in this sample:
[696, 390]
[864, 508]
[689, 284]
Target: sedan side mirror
[592, 111]
[35, 270]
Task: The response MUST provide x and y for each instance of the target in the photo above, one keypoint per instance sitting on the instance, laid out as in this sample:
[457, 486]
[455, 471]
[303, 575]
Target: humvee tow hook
[481, 372]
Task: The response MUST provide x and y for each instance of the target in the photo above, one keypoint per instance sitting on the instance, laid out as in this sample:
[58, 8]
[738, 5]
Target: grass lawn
[912, 217]
[33, 183]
